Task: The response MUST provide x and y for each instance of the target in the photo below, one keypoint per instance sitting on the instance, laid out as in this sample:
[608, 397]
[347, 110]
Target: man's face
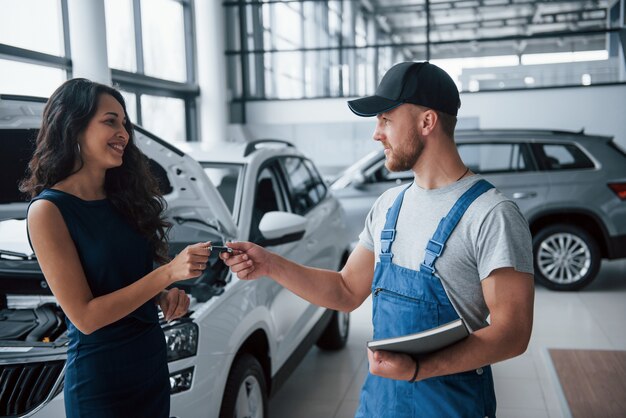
[397, 132]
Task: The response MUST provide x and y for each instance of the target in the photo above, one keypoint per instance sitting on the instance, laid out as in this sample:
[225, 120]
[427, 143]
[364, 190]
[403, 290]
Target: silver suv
[240, 339]
[571, 187]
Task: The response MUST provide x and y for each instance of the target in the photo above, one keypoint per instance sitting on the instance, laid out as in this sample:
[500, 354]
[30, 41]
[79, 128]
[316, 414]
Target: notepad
[423, 342]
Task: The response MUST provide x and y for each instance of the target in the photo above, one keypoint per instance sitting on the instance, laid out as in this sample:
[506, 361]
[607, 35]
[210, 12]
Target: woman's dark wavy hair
[131, 187]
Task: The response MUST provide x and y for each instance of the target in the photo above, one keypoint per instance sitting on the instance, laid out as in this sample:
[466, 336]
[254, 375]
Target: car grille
[23, 387]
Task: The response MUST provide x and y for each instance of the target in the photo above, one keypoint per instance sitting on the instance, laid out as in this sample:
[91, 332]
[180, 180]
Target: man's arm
[343, 291]
[509, 295]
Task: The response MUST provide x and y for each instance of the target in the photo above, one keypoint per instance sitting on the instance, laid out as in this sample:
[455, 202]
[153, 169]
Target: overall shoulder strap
[388, 234]
[437, 243]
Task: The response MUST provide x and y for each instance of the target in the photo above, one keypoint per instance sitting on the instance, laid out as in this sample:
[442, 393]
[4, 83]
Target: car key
[220, 249]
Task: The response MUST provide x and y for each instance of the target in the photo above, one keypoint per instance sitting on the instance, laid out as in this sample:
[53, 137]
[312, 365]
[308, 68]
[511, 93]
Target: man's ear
[428, 122]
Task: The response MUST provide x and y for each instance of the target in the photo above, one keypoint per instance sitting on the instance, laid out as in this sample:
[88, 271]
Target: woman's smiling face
[103, 141]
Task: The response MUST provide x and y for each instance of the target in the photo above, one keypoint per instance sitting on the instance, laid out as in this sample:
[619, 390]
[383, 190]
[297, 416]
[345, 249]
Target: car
[570, 186]
[240, 339]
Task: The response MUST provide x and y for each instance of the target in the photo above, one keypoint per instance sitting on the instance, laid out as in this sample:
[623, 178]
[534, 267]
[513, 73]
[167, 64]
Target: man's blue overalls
[406, 301]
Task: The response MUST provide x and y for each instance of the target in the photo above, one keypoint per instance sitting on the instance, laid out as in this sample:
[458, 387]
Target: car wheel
[566, 257]
[335, 335]
[245, 394]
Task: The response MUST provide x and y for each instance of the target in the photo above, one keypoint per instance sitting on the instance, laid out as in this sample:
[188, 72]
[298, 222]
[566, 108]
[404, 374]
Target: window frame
[138, 83]
[41, 58]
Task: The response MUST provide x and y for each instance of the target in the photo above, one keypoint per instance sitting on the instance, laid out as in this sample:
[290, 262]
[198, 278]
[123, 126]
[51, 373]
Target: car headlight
[181, 340]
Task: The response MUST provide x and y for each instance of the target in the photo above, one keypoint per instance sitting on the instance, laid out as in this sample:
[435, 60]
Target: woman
[95, 223]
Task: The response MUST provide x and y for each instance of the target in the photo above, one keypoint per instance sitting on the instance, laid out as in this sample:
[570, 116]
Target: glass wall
[150, 48]
[340, 48]
[33, 53]
[151, 52]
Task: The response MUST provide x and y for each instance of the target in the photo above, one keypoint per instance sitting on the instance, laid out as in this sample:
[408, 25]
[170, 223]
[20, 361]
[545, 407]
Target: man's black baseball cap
[420, 83]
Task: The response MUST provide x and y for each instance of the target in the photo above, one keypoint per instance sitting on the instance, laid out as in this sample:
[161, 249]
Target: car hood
[192, 196]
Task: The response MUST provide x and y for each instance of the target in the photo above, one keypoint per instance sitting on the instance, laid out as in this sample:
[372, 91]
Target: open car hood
[190, 195]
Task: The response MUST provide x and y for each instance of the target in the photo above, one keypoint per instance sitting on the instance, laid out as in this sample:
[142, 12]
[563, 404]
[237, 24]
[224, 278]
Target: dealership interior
[232, 86]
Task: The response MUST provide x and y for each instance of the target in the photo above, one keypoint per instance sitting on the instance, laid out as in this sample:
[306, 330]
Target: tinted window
[225, 178]
[562, 157]
[495, 158]
[317, 179]
[266, 199]
[303, 190]
[16, 149]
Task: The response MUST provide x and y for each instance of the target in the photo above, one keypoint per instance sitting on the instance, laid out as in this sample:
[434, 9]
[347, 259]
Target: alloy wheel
[564, 258]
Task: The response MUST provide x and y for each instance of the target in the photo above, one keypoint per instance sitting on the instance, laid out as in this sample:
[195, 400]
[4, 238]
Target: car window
[303, 188]
[562, 157]
[487, 158]
[267, 198]
[225, 177]
[318, 182]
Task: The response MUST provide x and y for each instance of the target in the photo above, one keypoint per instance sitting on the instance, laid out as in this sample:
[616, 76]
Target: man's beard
[404, 157]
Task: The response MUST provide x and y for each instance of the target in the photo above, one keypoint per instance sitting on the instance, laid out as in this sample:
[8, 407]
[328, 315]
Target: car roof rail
[254, 145]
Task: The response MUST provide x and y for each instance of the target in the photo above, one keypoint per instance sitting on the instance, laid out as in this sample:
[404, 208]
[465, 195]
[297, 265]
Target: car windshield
[225, 177]
[14, 240]
[345, 177]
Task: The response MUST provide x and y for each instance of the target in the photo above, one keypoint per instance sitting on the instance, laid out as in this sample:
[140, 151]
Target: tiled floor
[327, 384]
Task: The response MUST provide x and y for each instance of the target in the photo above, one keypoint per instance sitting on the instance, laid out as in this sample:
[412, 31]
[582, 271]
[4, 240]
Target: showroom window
[151, 53]
[341, 48]
[34, 47]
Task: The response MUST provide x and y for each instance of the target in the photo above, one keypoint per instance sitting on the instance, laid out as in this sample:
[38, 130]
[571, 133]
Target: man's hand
[248, 261]
[391, 365]
[174, 303]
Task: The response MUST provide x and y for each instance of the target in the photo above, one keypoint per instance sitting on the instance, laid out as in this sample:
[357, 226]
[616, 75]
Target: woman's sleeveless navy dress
[119, 370]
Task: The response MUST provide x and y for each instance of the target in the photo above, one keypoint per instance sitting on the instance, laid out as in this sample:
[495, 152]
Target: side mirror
[281, 228]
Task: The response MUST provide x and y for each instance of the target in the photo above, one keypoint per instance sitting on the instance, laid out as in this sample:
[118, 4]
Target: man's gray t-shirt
[491, 234]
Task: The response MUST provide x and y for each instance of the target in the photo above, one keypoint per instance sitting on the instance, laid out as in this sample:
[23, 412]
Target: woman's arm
[64, 273]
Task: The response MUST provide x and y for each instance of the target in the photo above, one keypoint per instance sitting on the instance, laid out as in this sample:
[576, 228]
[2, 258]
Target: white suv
[241, 339]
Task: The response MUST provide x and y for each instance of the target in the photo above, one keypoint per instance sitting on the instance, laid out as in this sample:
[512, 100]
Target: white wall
[331, 135]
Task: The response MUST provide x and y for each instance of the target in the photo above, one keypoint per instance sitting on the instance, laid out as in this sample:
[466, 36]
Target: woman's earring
[78, 145]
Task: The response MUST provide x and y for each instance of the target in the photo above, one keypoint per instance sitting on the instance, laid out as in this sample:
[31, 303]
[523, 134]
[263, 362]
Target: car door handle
[311, 243]
[524, 195]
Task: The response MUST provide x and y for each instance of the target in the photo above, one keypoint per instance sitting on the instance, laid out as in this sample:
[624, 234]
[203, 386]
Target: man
[450, 217]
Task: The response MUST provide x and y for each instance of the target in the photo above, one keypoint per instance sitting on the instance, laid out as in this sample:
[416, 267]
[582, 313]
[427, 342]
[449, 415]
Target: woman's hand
[190, 262]
[248, 260]
[174, 303]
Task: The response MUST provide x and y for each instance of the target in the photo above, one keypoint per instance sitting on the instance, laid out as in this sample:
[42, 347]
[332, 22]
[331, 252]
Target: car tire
[245, 394]
[335, 336]
[566, 257]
